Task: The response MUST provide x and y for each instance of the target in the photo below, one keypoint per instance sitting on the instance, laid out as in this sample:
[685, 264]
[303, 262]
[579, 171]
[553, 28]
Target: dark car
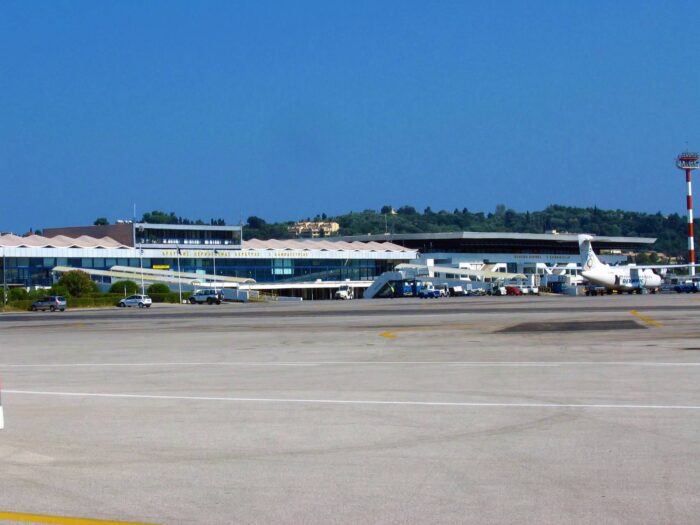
[50, 302]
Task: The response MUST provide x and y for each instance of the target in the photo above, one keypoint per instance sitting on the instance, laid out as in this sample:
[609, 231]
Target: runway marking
[647, 320]
[60, 520]
[388, 335]
[534, 364]
[464, 404]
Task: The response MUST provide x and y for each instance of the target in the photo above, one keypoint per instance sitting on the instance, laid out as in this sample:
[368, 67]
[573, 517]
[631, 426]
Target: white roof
[59, 241]
[307, 244]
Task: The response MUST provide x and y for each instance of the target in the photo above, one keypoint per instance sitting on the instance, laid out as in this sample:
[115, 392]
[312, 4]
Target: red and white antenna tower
[688, 162]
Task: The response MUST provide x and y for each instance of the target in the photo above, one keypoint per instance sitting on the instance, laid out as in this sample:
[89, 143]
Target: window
[282, 267]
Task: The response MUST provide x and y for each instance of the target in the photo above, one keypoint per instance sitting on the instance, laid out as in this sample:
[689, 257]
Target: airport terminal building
[219, 251]
[192, 249]
[527, 253]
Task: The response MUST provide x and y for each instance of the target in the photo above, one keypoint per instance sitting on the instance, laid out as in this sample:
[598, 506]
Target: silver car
[51, 302]
[142, 301]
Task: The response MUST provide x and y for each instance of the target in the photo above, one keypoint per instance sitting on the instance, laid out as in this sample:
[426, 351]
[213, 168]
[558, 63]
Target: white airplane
[629, 278]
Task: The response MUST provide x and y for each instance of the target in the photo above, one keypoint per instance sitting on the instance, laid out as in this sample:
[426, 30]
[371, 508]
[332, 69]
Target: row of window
[101, 263]
[37, 271]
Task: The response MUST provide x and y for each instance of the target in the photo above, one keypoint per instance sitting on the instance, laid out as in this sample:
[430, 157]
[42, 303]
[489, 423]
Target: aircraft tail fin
[589, 259]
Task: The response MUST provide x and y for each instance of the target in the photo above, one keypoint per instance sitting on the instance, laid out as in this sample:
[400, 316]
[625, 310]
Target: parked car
[208, 295]
[51, 302]
[142, 301]
[513, 290]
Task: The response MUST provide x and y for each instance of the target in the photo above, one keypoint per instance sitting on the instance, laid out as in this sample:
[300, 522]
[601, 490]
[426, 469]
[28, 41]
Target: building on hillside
[313, 229]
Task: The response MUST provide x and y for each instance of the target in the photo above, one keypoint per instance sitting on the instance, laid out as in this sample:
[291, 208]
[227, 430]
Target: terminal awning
[463, 272]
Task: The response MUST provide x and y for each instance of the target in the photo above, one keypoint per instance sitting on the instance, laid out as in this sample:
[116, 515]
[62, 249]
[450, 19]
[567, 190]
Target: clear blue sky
[288, 109]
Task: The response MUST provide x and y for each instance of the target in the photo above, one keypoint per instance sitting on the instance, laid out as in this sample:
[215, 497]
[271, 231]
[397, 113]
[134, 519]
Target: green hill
[669, 229]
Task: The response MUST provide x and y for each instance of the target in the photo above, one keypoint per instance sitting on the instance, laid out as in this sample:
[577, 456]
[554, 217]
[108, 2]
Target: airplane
[628, 278]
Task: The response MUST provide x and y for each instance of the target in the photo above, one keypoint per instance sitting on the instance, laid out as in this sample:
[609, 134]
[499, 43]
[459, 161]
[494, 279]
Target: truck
[428, 291]
[344, 293]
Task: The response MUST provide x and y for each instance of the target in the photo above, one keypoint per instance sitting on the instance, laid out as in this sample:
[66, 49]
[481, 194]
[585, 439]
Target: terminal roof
[59, 241]
[505, 236]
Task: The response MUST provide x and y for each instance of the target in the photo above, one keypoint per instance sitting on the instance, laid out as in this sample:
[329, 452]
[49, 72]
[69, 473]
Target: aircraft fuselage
[622, 279]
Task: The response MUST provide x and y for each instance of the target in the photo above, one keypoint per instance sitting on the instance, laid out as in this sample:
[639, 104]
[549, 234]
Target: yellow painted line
[388, 335]
[647, 320]
[60, 520]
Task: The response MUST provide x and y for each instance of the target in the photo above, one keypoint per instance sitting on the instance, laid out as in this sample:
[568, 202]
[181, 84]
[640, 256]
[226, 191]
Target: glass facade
[150, 235]
[33, 271]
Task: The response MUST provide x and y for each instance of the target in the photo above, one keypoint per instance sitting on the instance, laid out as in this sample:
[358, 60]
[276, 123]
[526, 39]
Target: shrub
[158, 288]
[57, 289]
[124, 287]
[78, 283]
[96, 300]
[17, 294]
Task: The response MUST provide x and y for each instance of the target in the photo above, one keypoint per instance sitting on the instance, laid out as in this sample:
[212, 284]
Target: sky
[289, 109]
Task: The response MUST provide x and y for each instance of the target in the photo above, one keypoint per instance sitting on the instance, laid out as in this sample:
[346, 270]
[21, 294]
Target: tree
[125, 287]
[161, 217]
[157, 288]
[77, 283]
[255, 222]
[101, 221]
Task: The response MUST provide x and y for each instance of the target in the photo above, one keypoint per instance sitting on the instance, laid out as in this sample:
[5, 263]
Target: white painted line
[359, 363]
[351, 401]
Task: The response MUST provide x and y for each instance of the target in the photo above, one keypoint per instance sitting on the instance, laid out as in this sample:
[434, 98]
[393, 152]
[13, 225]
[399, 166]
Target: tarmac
[546, 409]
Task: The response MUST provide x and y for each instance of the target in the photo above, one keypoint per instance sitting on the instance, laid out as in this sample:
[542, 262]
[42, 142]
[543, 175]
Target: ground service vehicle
[687, 287]
[51, 302]
[428, 291]
[208, 295]
[597, 290]
[142, 301]
[513, 290]
[443, 289]
[344, 292]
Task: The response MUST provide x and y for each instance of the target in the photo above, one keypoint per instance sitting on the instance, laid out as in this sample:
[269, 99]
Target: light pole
[4, 283]
[179, 277]
[143, 290]
[215, 252]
